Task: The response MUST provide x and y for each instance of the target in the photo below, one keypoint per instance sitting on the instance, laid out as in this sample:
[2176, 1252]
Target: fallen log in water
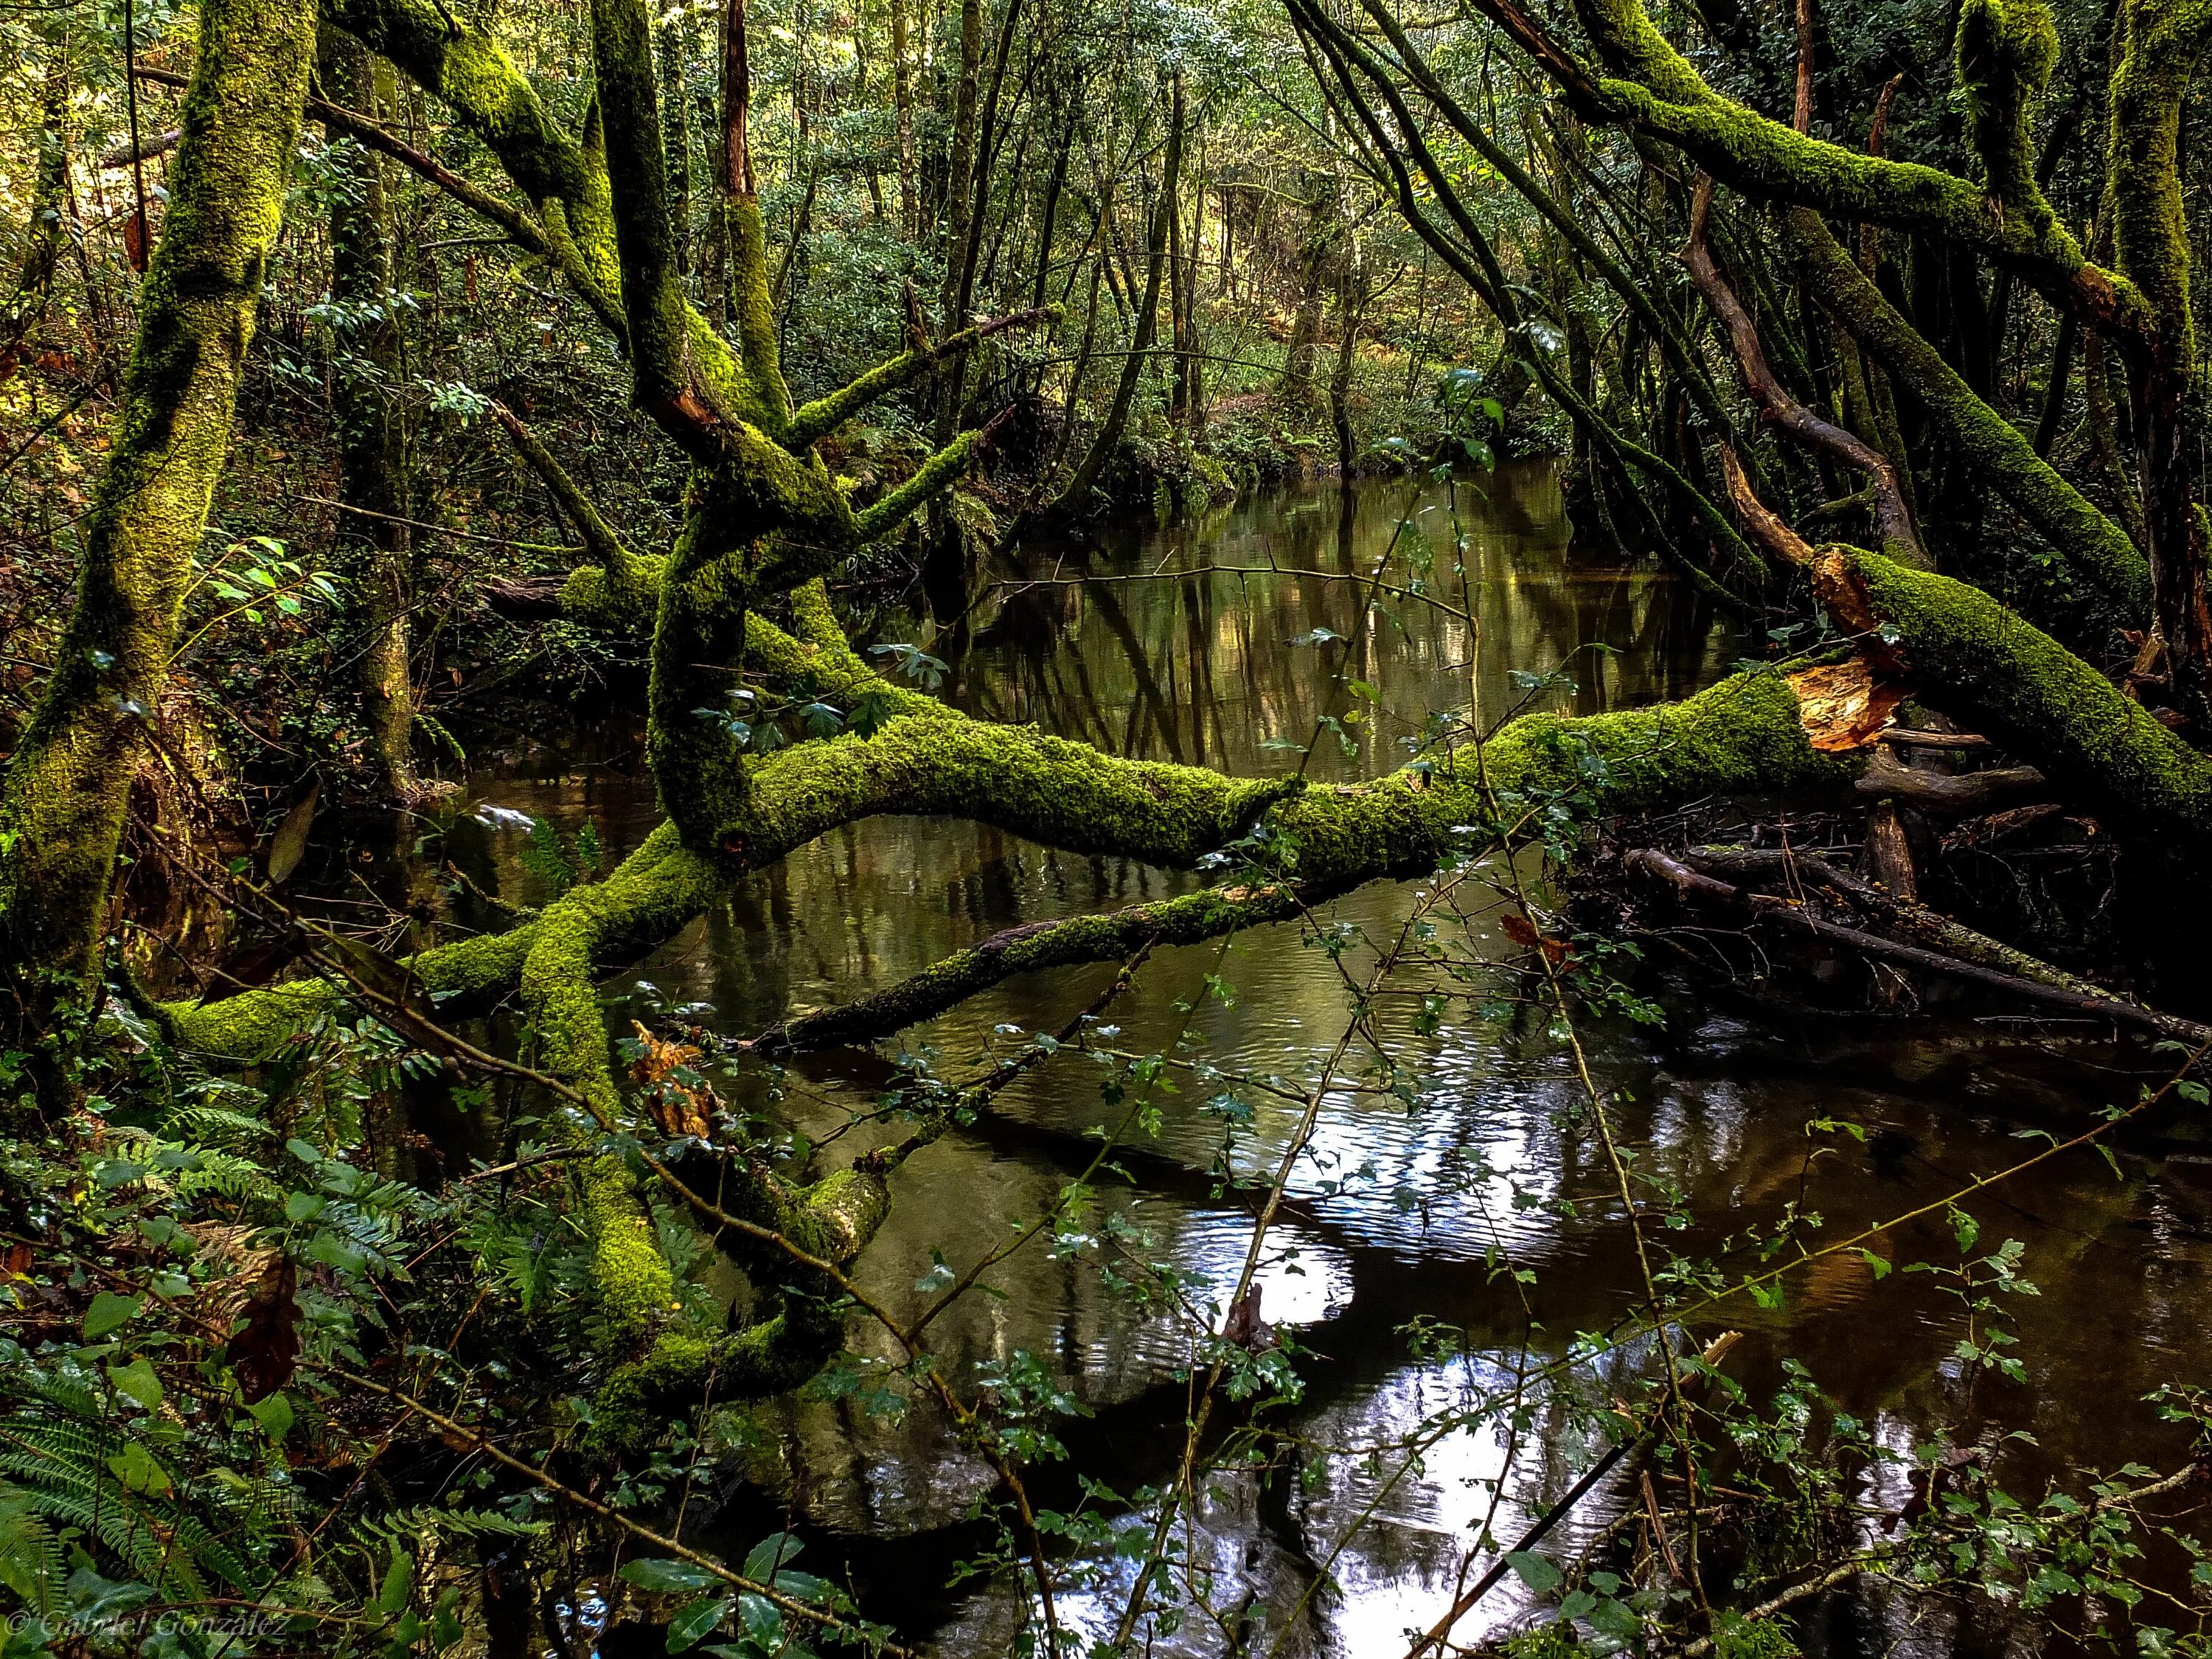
[1695, 891]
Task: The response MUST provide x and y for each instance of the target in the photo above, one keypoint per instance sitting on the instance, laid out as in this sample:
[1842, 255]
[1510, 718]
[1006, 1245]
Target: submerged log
[1891, 912]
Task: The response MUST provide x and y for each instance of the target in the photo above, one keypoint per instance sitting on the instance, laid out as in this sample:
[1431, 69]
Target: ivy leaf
[136, 1380]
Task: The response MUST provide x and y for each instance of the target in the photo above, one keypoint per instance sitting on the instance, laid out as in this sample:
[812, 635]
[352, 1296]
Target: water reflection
[1401, 1212]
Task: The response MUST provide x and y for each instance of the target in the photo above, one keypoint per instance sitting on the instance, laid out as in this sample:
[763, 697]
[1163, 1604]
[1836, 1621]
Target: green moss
[634, 1407]
[2044, 703]
[62, 818]
[1997, 454]
[1067, 794]
[2158, 48]
[1755, 1639]
[656, 888]
[1658, 90]
[2005, 51]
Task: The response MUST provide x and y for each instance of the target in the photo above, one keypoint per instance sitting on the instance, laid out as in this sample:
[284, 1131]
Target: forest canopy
[1344, 828]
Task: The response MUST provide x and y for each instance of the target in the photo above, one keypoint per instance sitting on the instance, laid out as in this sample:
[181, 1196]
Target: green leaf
[777, 1550]
[136, 1380]
[134, 1466]
[107, 1312]
[697, 1620]
[1538, 1574]
[664, 1575]
[446, 1628]
[399, 1579]
[274, 1414]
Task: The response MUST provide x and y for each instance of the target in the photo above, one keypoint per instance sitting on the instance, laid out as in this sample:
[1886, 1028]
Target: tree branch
[1999, 456]
[1031, 949]
[1761, 157]
[1891, 517]
[824, 415]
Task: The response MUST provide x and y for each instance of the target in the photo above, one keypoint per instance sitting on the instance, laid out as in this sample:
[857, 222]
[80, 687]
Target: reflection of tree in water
[1148, 651]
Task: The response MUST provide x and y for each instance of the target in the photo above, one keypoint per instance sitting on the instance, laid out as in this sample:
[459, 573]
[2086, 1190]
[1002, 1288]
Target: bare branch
[1891, 516]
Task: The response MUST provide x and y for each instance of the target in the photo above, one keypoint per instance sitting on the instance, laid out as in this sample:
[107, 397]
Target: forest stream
[1394, 1216]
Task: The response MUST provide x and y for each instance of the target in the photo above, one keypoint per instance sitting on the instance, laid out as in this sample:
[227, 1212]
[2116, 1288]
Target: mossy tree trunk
[2157, 49]
[62, 816]
[368, 368]
[42, 244]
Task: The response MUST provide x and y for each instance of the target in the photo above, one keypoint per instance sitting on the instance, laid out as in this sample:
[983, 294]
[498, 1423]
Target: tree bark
[62, 816]
[1144, 327]
[376, 550]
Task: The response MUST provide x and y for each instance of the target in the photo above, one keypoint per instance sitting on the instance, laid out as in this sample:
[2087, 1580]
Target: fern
[60, 1452]
[402, 1529]
[31, 1561]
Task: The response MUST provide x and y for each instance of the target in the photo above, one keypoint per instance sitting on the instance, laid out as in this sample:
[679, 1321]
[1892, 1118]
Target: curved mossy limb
[648, 897]
[634, 1407]
[831, 1221]
[1996, 452]
[1741, 735]
[559, 995]
[1767, 158]
[62, 818]
[2045, 704]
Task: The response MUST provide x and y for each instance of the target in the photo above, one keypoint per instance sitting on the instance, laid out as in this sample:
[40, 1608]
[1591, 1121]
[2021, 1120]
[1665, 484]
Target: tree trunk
[1143, 327]
[375, 551]
[1351, 303]
[1313, 291]
[903, 101]
[34, 275]
[675, 131]
[62, 816]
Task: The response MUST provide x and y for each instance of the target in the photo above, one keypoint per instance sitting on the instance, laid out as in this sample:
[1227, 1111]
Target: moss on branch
[1998, 454]
[826, 413]
[68, 786]
[2045, 704]
[1659, 91]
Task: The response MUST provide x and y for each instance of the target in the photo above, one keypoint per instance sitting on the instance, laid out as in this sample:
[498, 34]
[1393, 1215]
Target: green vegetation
[378, 1277]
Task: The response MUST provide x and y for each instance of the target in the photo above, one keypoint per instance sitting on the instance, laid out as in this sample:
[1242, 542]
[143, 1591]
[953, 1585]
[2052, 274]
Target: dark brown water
[1401, 1212]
